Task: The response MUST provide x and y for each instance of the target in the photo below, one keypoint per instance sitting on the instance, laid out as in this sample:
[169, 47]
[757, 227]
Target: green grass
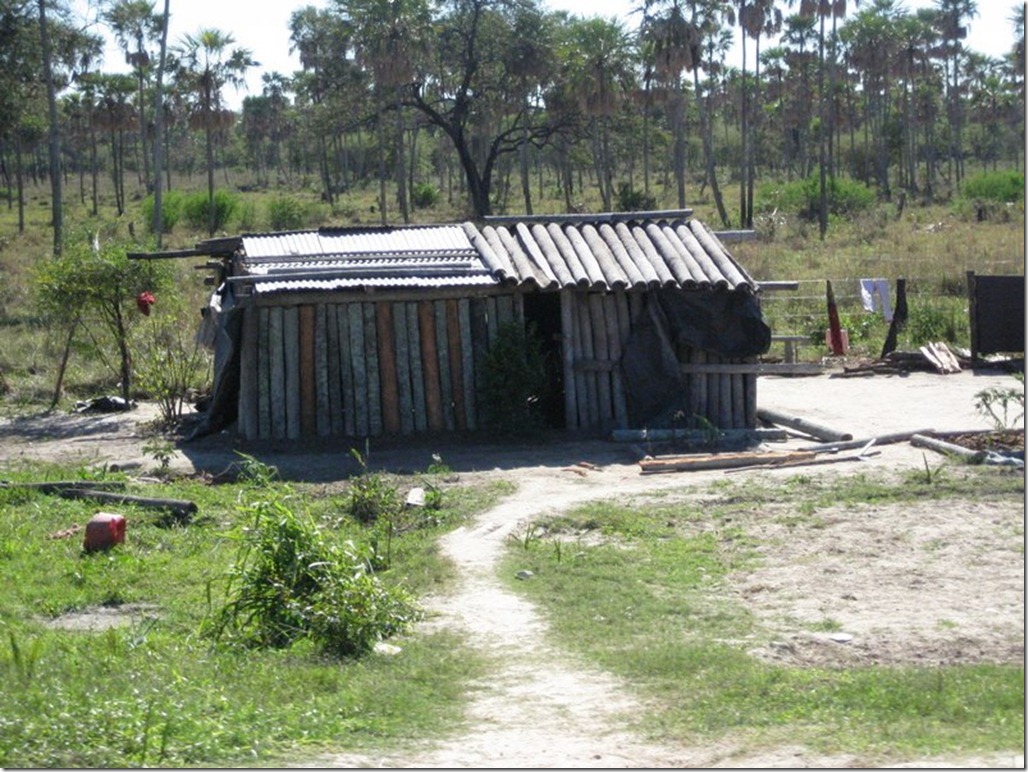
[160, 693]
[638, 589]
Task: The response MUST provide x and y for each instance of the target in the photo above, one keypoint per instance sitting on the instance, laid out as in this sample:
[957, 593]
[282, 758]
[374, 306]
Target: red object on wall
[103, 531]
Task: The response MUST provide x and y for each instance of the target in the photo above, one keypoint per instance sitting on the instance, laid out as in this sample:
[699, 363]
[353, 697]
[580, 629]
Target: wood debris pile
[932, 357]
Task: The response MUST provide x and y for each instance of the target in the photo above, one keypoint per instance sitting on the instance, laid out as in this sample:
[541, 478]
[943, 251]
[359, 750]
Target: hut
[645, 320]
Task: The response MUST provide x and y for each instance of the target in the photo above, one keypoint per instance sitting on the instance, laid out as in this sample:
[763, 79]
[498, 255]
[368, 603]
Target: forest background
[844, 121]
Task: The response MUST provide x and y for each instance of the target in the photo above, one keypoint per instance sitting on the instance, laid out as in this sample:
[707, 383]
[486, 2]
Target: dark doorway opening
[542, 315]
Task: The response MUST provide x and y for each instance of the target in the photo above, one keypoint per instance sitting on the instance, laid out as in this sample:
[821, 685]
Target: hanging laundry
[874, 294]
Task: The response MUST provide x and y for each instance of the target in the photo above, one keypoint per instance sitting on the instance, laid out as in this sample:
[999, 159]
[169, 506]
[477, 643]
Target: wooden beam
[752, 368]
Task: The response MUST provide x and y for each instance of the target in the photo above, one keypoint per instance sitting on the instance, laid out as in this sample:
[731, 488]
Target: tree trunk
[158, 133]
[57, 205]
[706, 132]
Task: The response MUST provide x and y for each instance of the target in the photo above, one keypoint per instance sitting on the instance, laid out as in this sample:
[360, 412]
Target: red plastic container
[103, 531]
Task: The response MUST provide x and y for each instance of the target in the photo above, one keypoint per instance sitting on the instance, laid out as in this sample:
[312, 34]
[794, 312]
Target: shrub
[171, 366]
[197, 206]
[290, 583]
[803, 197]
[632, 200]
[286, 213]
[934, 321]
[514, 382]
[171, 210]
[425, 195]
[369, 496]
[999, 187]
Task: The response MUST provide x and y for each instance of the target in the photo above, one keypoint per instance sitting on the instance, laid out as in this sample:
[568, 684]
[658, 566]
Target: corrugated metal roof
[600, 254]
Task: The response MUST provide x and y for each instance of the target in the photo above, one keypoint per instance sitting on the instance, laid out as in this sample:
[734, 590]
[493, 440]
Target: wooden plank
[579, 382]
[360, 369]
[430, 365]
[335, 383]
[751, 401]
[588, 352]
[504, 310]
[263, 375]
[695, 390]
[375, 425]
[713, 409]
[567, 340]
[616, 313]
[456, 353]
[722, 461]
[346, 371]
[323, 414]
[442, 345]
[817, 430]
[299, 393]
[278, 374]
[248, 378]
[467, 362]
[598, 327]
[406, 397]
[307, 376]
[492, 321]
[387, 367]
[480, 346]
[417, 370]
[751, 368]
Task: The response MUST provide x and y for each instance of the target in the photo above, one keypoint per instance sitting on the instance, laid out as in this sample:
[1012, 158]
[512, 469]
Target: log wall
[406, 366]
[363, 369]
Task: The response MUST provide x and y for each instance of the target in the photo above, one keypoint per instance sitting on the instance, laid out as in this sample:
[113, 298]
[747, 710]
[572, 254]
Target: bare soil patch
[867, 584]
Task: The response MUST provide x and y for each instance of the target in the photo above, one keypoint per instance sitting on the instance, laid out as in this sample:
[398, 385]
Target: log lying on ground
[183, 510]
[803, 425]
[695, 435]
[881, 439]
[720, 461]
[948, 449]
[61, 485]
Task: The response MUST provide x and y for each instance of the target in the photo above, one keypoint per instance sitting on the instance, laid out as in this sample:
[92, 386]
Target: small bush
[197, 206]
[369, 496]
[171, 210]
[1000, 187]
[171, 366]
[632, 200]
[286, 213]
[929, 322]
[425, 195]
[290, 583]
[514, 382]
[803, 197]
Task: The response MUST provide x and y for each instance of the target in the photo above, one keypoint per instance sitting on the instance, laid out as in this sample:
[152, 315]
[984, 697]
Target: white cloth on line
[874, 294]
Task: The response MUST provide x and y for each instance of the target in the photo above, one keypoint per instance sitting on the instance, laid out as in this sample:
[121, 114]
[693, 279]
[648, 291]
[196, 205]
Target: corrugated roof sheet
[601, 255]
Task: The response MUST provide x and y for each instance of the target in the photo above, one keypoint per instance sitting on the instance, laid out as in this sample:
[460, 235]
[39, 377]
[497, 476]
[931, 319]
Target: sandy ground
[912, 585]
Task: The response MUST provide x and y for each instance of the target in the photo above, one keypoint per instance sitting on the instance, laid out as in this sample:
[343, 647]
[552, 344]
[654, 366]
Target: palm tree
[208, 66]
[134, 23]
[391, 36]
[951, 18]
[672, 43]
[599, 68]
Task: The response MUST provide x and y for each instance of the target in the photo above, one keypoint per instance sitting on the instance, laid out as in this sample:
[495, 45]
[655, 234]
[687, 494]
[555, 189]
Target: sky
[264, 28]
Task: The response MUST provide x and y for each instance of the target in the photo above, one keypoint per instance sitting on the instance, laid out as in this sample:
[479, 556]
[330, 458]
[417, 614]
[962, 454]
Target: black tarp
[725, 324]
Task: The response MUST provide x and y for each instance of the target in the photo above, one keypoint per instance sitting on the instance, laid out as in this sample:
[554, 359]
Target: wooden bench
[792, 344]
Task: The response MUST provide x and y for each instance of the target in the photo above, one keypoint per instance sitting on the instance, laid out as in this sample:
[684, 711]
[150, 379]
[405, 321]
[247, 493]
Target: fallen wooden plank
[720, 461]
[803, 425]
[753, 368]
[948, 448]
[180, 508]
[806, 462]
[62, 485]
[881, 439]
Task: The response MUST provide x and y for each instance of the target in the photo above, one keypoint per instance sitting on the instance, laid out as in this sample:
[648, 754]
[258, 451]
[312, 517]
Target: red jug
[103, 531]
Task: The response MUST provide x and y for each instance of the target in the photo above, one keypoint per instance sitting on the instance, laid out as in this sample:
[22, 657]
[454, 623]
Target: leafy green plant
[369, 496]
[996, 186]
[286, 213]
[425, 195]
[514, 382]
[171, 366]
[254, 472]
[289, 583]
[196, 209]
[171, 210]
[161, 451]
[1002, 406]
